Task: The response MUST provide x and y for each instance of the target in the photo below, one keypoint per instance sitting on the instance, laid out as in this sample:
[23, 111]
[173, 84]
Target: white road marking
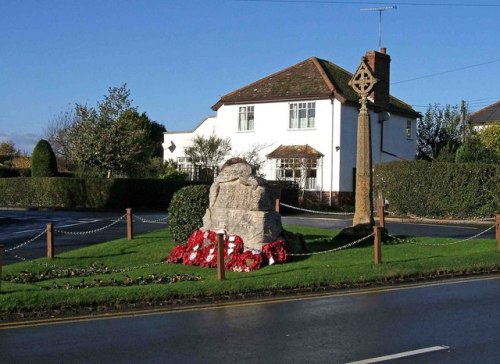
[401, 355]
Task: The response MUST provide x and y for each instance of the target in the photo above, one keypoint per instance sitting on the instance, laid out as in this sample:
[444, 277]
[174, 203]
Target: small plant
[43, 162]
[186, 211]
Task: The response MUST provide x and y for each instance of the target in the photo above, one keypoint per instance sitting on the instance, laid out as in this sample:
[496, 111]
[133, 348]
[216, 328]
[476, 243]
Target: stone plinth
[243, 204]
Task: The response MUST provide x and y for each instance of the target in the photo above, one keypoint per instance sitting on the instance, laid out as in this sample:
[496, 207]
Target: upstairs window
[302, 115]
[245, 118]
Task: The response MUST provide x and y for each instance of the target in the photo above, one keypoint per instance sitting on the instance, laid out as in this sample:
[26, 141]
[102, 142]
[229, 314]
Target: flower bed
[200, 250]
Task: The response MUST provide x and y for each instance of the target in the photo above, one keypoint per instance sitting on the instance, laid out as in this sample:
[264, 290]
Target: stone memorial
[243, 204]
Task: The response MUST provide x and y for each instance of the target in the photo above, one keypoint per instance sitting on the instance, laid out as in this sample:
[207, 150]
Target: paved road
[450, 322]
[398, 228]
[17, 227]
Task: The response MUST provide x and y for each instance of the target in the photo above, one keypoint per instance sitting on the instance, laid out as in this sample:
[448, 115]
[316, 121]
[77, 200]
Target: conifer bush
[186, 211]
[43, 162]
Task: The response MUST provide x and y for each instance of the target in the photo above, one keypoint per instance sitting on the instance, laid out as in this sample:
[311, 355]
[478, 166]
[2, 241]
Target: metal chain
[26, 242]
[332, 250]
[443, 244]
[147, 221]
[89, 231]
[316, 212]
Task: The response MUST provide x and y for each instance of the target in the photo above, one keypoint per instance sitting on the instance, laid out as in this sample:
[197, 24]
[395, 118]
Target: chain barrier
[26, 242]
[89, 231]
[443, 244]
[331, 250]
[147, 221]
[316, 212]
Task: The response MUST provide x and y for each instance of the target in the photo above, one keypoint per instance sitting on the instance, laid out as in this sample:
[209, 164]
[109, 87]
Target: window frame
[409, 129]
[302, 115]
[245, 123]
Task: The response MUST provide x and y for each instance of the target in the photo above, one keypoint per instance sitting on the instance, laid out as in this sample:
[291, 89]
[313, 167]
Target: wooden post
[498, 231]
[1, 262]
[130, 225]
[381, 210]
[377, 251]
[277, 205]
[220, 256]
[50, 241]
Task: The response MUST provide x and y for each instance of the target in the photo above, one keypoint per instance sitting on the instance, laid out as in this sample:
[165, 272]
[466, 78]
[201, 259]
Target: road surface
[456, 321]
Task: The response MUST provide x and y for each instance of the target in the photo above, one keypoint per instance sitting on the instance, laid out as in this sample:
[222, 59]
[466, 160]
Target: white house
[487, 116]
[304, 120]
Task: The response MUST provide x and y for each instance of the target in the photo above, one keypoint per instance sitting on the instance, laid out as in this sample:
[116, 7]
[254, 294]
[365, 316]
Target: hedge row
[454, 190]
[88, 192]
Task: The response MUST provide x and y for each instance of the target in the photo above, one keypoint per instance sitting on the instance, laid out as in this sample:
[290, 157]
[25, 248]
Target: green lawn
[141, 258]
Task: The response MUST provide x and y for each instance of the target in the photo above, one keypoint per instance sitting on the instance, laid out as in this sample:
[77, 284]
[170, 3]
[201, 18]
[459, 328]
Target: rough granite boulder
[243, 204]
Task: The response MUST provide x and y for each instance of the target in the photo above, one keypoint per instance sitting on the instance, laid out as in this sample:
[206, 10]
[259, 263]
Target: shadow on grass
[123, 252]
[281, 272]
[412, 259]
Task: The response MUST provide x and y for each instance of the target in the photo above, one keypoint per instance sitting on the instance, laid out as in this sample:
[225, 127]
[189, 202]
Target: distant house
[304, 121]
[490, 115]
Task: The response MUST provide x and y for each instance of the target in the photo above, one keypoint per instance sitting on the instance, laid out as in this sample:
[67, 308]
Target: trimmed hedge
[88, 192]
[438, 189]
[43, 161]
[186, 211]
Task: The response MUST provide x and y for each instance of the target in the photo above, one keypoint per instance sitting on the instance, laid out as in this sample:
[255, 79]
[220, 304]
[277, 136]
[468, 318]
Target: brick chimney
[380, 63]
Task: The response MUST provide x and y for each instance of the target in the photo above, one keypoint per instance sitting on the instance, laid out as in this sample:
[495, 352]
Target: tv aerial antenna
[380, 10]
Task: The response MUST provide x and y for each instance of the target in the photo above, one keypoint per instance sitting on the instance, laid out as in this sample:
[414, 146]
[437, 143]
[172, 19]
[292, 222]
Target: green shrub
[43, 161]
[450, 190]
[95, 193]
[186, 211]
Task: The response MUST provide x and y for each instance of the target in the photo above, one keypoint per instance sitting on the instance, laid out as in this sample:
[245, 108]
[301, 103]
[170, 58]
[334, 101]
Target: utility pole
[465, 126]
[380, 10]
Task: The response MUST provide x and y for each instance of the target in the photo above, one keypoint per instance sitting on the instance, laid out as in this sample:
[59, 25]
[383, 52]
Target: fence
[50, 231]
[379, 230]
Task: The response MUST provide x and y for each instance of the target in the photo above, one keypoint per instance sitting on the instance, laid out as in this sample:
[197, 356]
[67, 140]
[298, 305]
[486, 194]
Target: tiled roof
[294, 151]
[488, 115]
[313, 78]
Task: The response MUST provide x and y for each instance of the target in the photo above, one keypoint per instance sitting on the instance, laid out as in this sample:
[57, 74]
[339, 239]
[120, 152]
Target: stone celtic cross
[363, 82]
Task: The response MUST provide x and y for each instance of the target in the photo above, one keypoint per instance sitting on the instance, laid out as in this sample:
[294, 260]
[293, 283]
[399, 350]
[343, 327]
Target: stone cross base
[254, 227]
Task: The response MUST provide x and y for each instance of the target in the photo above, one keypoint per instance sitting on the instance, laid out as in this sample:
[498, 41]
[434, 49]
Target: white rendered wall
[271, 121]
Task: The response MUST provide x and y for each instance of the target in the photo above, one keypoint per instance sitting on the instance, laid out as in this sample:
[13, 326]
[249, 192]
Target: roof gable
[294, 151]
[303, 80]
[313, 78]
[487, 115]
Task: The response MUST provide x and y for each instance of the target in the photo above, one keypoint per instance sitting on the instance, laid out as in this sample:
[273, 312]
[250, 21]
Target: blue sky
[179, 56]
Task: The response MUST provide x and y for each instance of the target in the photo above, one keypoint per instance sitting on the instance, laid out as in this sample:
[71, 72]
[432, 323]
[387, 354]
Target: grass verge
[131, 262]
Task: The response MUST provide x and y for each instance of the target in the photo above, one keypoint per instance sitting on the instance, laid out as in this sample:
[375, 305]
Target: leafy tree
[440, 132]
[43, 161]
[113, 139]
[483, 146]
[156, 138]
[208, 153]
[490, 137]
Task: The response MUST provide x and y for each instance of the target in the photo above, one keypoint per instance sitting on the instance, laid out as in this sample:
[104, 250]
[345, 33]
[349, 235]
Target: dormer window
[302, 115]
[246, 118]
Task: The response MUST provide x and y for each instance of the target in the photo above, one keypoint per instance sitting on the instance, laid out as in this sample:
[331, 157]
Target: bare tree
[254, 157]
[208, 153]
[57, 133]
